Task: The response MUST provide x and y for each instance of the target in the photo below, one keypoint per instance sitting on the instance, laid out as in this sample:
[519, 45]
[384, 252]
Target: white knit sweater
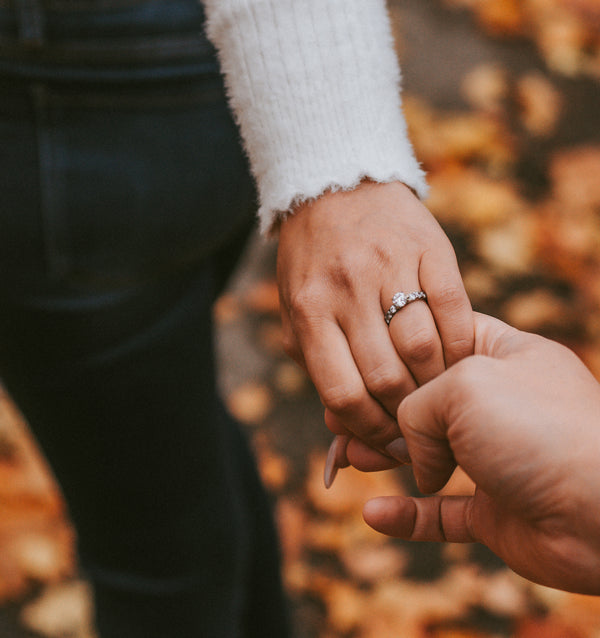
[314, 85]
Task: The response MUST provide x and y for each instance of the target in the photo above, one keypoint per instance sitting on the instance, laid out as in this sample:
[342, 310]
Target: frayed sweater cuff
[315, 88]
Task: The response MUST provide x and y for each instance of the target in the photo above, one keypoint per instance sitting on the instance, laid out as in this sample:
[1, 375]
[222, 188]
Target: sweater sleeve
[315, 89]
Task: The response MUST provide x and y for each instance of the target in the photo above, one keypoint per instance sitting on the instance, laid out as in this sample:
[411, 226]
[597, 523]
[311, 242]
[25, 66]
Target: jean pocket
[137, 181]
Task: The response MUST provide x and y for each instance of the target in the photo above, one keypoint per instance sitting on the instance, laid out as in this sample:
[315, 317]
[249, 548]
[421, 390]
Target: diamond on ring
[401, 299]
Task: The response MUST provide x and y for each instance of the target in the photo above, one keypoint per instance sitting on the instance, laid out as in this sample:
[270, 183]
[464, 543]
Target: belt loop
[30, 18]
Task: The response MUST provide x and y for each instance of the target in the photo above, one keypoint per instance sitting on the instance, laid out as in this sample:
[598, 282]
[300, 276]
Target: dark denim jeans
[125, 201]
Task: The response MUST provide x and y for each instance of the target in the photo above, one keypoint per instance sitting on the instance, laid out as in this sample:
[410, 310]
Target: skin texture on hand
[522, 418]
[340, 260]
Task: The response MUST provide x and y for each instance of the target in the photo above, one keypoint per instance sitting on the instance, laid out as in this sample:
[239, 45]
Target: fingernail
[331, 464]
[399, 450]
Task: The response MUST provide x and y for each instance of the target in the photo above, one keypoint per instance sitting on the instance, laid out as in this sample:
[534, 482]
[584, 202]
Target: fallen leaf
[407, 608]
[270, 337]
[546, 628]
[540, 104]
[480, 284]
[579, 612]
[250, 403]
[503, 17]
[509, 248]
[538, 311]
[291, 522]
[335, 536]
[45, 556]
[274, 468]
[263, 297]
[455, 552]
[504, 593]
[373, 563]
[227, 309]
[345, 605]
[472, 200]
[454, 632]
[574, 174]
[290, 379]
[446, 139]
[485, 88]
[61, 610]
[459, 484]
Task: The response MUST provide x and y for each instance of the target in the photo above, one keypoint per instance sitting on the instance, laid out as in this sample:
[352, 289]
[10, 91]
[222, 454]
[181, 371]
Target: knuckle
[376, 433]
[332, 422]
[451, 298]
[290, 346]
[460, 347]
[304, 304]
[421, 346]
[384, 382]
[301, 302]
[343, 399]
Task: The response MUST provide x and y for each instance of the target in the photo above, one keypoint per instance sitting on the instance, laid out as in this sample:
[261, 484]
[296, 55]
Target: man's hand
[522, 418]
[341, 259]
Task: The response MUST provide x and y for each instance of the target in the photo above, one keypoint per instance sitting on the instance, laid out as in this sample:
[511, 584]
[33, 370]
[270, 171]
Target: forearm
[315, 89]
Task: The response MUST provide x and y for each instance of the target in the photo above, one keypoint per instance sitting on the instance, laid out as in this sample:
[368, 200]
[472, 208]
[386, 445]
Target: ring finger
[415, 336]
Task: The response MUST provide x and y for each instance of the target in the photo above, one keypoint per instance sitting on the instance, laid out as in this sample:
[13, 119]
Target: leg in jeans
[117, 218]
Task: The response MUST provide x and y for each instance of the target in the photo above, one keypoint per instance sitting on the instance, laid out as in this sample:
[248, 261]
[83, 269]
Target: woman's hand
[523, 421]
[341, 259]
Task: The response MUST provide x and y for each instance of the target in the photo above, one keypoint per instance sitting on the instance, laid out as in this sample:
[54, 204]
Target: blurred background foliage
[502, 99]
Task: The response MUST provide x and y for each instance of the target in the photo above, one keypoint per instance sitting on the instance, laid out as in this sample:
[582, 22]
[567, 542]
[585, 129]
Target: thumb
[434, 518]
[494, 338]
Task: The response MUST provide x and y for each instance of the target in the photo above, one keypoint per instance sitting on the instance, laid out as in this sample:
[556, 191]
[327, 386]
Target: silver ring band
[401, 299]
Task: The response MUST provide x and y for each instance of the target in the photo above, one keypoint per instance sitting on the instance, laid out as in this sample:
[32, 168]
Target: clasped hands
[441, 387]
[341, 259]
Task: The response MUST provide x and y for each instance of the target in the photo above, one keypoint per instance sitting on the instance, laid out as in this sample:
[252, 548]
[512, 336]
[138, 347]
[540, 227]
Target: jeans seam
[51, 186]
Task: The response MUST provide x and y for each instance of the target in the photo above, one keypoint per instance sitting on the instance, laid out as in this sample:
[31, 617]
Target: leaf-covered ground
[503, 103]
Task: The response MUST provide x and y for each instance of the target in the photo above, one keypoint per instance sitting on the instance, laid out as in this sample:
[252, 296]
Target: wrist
[367, 188]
